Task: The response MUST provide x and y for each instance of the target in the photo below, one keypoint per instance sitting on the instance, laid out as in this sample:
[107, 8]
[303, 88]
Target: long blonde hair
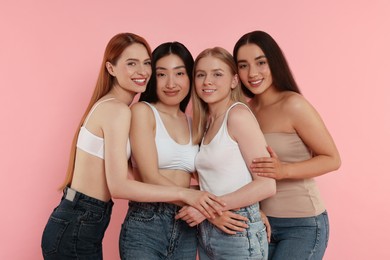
[104, 83]
[199, 107]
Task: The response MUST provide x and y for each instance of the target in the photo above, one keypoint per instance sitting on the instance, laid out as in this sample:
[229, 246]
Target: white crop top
[92, 144]
[220, 165]
[172, 155]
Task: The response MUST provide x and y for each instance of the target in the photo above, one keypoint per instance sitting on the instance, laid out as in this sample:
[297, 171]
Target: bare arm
[243, 128]
[116, 132]
[144, 151]
[310, 127]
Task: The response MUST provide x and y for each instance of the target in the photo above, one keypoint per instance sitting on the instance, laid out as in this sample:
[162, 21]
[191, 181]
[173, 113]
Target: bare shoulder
[295, 104]
[240, 114]
[140, 107]
[114, 110]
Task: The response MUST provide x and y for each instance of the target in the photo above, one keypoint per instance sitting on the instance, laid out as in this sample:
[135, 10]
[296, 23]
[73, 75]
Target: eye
[148, 63]
[199, 75]
[242, 66]
[131, 63]
[262, 62]
[160, 74]
[218, 74]
[181, 73]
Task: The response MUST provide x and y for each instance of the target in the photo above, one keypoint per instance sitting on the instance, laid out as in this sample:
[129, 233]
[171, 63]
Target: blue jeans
[249, 244]
[76, 227]
[150, 231]
[299, 238]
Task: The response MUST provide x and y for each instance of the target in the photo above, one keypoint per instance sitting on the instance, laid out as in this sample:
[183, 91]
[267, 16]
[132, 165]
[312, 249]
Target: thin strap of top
[93, 109]
[235, 104]
[158, 118]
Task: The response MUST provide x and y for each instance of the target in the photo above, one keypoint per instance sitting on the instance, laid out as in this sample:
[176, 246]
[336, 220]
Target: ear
[110, 68]
[234, 81]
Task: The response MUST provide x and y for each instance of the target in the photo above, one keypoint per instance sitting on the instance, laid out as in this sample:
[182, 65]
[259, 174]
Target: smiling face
[173, 83]
[133, 68]
[213, 80]
[253, 68]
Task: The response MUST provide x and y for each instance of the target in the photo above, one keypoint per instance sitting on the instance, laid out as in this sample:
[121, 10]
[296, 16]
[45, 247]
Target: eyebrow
[175, 68]
[214, 70]
[133, 59]
[257, 58]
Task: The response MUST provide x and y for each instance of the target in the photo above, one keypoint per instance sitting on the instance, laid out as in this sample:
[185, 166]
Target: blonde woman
[229, 138]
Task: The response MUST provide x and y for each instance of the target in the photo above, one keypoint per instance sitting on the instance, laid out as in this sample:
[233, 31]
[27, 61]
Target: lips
[140, 82]
[255, 83]
[208, 91]
[171, 93]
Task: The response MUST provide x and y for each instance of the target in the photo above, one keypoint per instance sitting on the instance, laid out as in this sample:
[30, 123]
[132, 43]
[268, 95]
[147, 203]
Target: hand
[208, 204]
[230, 222]
[190, 215]
[267, 225]
[270, 167]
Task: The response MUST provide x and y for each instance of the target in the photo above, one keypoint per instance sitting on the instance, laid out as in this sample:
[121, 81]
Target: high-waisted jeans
[299, 238]
[150, 232]
[249, 244]
[76, 227]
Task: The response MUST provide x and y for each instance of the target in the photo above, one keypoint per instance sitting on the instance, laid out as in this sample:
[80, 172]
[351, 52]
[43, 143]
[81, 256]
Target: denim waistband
[252, 212]
[78, 198]
[158, 207]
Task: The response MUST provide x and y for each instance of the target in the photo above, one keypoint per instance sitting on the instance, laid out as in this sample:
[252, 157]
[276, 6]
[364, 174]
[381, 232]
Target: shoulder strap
[94, 107]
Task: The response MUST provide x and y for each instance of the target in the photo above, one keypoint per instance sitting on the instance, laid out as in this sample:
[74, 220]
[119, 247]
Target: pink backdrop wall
[50, 53]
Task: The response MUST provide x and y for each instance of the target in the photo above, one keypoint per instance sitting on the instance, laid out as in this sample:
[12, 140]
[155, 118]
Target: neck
[173, 110]
[122, 95]
[268, 97]
[217, 110]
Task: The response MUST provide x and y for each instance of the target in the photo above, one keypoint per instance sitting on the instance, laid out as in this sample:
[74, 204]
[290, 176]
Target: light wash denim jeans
[76, 227]
[249, 244]
[150, 232]
[299, 238]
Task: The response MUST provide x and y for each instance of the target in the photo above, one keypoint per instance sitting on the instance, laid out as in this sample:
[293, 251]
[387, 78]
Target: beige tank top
[293, 198]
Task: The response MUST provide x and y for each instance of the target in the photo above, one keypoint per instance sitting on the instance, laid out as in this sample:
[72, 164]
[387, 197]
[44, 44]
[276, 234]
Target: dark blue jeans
[299, 238]
[76, 227]
[150, 232]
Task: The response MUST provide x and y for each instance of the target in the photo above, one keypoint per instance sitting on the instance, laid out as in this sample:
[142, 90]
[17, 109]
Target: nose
[170, 82]
[207, 80]
[252, 72]
[143, 70]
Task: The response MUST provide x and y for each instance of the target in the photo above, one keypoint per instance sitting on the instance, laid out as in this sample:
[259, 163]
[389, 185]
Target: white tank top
[172, 155]
[220, 165]
[92, 144]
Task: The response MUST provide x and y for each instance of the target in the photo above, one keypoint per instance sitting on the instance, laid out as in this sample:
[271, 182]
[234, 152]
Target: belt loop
[70, 194]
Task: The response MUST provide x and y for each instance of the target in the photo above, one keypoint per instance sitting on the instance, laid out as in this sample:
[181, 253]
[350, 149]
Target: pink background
[50, 54]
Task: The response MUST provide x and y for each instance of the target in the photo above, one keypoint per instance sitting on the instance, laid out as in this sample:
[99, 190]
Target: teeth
[256, 82]
[139, 80]
[208, 90]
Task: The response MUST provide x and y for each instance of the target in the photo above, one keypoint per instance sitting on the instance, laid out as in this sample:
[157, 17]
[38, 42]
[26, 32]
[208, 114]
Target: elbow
[272, 189]
[115, 193]
[336, 163]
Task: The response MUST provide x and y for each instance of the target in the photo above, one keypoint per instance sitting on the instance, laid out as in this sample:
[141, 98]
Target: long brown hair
[199, 107]
[104, 83]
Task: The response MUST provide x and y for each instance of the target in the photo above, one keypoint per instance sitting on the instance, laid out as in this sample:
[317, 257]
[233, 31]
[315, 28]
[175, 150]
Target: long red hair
[104, 83]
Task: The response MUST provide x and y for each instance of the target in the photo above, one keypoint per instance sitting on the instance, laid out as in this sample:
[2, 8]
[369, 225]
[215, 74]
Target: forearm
[143, 192]
[249, 194]
[316, 166]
